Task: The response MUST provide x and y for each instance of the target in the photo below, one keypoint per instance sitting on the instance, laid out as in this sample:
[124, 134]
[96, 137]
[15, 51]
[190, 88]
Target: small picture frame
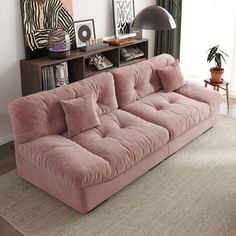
[123, 13]
[84, 31]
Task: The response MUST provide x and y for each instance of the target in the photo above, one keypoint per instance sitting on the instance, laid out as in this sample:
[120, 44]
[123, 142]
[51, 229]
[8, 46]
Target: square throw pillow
[171, 77]
[80, 114]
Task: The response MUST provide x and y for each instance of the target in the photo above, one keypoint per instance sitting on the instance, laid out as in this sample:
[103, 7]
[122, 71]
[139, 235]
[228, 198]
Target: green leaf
[218, 60]
[217, 55]
[222, 56]
[224, 53]
[212, 52]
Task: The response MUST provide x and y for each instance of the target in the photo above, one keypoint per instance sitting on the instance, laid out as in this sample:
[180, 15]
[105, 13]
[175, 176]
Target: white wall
[12, 49]
[101, 12]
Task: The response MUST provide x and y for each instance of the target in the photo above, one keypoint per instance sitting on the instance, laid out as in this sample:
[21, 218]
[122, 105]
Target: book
[51, 78]
[131, 52]
[54, 76]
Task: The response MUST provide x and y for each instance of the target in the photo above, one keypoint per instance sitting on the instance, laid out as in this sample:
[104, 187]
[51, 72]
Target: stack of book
[54, 76]
[131, 52]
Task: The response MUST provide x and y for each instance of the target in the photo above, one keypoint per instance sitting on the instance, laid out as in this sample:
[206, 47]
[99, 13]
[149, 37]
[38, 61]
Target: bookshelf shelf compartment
[77, 63]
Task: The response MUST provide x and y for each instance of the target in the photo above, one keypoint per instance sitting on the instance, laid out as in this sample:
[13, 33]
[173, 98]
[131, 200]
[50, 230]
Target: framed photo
[123, 12]
[84, 31]
[39, 18]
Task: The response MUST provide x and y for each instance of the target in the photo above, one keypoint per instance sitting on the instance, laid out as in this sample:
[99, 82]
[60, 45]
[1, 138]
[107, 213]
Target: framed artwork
[39, 17]
[84, 31]
[123, 12]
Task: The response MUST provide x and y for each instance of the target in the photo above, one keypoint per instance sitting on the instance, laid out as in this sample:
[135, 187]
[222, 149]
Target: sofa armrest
[201, 94]
[65, 160]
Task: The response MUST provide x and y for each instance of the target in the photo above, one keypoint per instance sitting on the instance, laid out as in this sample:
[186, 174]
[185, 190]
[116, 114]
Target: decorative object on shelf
[100, 62]
[58, 44]
[38, 18]
[78, 65]
[93, 44]
[217, 55]
[123, 12]
[84, 31]
[121, 42]
[61, 74]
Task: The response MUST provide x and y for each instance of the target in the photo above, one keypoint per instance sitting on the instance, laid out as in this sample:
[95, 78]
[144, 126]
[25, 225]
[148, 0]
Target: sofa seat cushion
[201, 94]
[65, 160]
[170, 110]
[122, 140]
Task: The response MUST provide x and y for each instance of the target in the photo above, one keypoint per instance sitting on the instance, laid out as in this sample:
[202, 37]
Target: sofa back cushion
[171, 77]
[41, 114]
[139, 80]
[80, 114]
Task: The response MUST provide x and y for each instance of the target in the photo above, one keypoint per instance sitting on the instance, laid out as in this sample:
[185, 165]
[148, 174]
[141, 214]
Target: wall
[87, 9]
[11, 50]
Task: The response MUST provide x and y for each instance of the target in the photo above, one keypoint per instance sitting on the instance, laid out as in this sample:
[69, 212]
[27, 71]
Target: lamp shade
[154, 18]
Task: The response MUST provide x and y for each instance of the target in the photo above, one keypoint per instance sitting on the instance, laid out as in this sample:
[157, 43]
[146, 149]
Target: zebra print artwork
[39, 17]
[123, 11]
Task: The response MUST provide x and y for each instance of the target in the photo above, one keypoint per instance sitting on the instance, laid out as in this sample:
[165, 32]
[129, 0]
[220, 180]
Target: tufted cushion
[134, 82]
[80, 114]
[71, 164]
[122, 140]
[138, 80]
[41, 114]
[175, 112]
[171, 77]
[159, 62]
[201, 94]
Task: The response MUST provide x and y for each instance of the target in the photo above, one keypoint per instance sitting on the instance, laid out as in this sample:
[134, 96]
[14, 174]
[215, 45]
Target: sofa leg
[207, 129]
[97, 206]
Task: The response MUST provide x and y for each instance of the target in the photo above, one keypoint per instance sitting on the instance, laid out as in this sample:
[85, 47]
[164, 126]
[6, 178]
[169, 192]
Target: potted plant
[217, 55]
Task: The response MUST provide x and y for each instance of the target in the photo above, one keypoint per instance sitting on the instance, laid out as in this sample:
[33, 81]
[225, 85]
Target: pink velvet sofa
[139, 126]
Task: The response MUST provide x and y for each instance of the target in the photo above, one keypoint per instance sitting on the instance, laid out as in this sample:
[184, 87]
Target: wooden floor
[7, 163]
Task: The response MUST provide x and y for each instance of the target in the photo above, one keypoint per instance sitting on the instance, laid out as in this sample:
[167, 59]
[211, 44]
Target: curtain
[168, 41]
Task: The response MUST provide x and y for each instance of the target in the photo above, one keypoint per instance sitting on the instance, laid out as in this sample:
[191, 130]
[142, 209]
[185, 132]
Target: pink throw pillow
[80, 114]
[171, 77]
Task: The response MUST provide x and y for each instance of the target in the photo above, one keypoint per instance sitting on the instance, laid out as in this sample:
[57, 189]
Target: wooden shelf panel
[78, 67]
[132, 61]
[90, 71]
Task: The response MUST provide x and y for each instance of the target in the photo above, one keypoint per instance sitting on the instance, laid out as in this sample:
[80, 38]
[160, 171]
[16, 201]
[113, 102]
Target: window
[206, 23]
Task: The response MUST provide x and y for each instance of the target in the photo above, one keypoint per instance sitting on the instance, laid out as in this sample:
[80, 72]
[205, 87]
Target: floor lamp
[153, 18]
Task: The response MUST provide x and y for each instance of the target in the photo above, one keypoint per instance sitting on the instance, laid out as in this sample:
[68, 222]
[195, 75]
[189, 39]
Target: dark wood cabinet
[78, 65]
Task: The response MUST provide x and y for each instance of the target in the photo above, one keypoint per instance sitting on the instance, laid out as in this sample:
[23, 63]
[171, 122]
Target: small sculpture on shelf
[93, 44]
[100, 62]
[61, 74]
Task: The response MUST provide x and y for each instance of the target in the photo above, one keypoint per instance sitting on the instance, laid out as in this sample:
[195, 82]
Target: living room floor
[7, 163]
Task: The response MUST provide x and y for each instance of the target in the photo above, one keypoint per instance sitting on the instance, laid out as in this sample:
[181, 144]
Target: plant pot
[216, 74]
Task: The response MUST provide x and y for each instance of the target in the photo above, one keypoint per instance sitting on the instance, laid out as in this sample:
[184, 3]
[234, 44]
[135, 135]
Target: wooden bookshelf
[78, 65]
